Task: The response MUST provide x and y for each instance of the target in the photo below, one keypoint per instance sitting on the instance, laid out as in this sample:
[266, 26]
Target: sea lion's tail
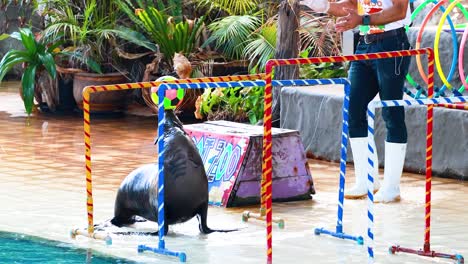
[206, 230]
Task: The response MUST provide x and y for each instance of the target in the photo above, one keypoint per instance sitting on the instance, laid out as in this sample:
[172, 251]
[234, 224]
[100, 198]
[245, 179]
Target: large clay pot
[112, 101]
[64, 82]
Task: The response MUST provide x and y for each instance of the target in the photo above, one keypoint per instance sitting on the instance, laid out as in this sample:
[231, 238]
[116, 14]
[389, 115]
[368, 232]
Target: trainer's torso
[374, 6]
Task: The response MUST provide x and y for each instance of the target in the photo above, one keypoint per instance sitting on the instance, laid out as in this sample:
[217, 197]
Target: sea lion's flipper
[202, 215]
[124, 219]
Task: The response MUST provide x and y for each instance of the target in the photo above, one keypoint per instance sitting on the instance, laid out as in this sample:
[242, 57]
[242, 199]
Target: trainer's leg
[363, 90]
[391, 76]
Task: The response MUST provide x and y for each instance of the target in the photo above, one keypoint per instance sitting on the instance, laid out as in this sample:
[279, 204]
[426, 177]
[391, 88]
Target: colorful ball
[173, 96]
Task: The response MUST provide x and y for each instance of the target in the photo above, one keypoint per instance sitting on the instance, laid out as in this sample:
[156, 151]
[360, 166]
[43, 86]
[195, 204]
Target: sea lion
[186, 184]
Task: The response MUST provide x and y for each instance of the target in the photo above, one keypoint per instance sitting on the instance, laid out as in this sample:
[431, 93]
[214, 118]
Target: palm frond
[238, 7]
[317, 35]
[232, 34]
[260, 50]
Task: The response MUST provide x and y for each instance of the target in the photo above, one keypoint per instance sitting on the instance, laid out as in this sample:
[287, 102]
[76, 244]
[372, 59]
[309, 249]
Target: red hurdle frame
[267, 140]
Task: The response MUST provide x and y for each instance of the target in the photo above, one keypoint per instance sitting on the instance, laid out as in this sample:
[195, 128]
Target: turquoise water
[19, 249]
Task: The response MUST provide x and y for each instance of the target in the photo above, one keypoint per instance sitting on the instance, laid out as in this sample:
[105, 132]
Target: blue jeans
[383, 76]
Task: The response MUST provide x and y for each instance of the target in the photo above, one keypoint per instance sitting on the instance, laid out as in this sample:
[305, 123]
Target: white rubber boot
[394, 160]
[360, 152]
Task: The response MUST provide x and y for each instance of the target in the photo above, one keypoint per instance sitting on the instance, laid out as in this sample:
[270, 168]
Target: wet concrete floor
[42, 183]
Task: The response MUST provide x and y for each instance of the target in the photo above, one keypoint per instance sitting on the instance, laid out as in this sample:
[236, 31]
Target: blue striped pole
[344, 148]
[370, 183]
[161, 217]
[161, 127]
[370, 187]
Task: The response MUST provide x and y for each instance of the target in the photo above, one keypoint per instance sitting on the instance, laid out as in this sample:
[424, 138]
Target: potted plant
[91, 37]
[234, 104]
[175, 36]
[37, 59]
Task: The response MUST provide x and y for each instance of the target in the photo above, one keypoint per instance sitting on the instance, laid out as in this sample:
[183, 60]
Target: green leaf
[93, 65]
[252, 118]
[49, 64]
[4, 36]
[12, 58]
[304, 53]
[134, 37]
[232, 34]
[260, 50]
[27, 82]
[229, 6]
[27, 38]
[16, 35]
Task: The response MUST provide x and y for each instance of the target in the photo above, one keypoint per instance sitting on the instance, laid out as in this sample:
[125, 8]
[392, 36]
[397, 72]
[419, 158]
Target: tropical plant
[90, 33]
[36, 56]
[171, 35]
[248, 37]
[262, 47]
[232, 34]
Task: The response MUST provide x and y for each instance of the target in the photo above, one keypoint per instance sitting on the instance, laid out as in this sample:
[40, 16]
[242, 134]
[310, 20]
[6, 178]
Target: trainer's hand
[320, 6]
[352, 20]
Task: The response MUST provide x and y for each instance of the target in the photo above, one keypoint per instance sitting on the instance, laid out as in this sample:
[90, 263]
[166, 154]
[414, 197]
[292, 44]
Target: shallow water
[43, 194]
[19, 249]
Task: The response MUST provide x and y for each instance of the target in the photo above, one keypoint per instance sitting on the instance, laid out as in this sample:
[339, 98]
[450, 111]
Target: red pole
[430, 114]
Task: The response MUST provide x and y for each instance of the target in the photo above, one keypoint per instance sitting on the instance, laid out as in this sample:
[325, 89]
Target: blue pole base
[163, 251]
[359, 240]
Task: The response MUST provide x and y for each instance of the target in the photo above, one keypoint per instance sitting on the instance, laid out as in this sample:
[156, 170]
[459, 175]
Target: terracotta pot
[112, 101]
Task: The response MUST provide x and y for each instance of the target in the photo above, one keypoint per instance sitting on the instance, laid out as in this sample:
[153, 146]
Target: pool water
[18, 248]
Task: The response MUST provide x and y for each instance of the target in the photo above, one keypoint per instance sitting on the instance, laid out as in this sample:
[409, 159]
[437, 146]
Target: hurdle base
[96, 235]
[262, 217]
[359, 239]
[427, 253]
[163, 251]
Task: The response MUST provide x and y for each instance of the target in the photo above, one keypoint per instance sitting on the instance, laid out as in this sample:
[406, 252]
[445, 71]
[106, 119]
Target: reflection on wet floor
[43, 193]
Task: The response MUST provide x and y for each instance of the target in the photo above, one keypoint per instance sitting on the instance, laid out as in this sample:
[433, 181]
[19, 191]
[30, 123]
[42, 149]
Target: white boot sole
[357, 196]
[395, 200]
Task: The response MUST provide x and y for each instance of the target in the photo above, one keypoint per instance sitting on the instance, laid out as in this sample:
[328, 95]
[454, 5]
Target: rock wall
[13, 17]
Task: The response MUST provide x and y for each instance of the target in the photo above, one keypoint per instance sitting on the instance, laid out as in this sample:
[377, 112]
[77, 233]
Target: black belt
[369, 38]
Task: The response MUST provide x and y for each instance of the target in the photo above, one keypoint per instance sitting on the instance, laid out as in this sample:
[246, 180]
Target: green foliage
[170, 36]
[261, 48]
[237, 104]
[251, 37]
[89, 30]
[4, 36]
[231, 7]
[324, 70]
[232, 34]
[37, 55]
[171, 7]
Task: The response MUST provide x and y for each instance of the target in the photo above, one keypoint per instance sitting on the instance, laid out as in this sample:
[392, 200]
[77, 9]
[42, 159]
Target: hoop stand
[344, 144]
[426, 251]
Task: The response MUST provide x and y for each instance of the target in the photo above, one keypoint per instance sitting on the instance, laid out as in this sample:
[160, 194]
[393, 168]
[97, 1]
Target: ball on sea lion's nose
[173, 96]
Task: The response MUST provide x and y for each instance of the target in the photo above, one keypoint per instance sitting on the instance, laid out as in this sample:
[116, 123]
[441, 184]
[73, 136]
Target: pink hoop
[461, 67]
